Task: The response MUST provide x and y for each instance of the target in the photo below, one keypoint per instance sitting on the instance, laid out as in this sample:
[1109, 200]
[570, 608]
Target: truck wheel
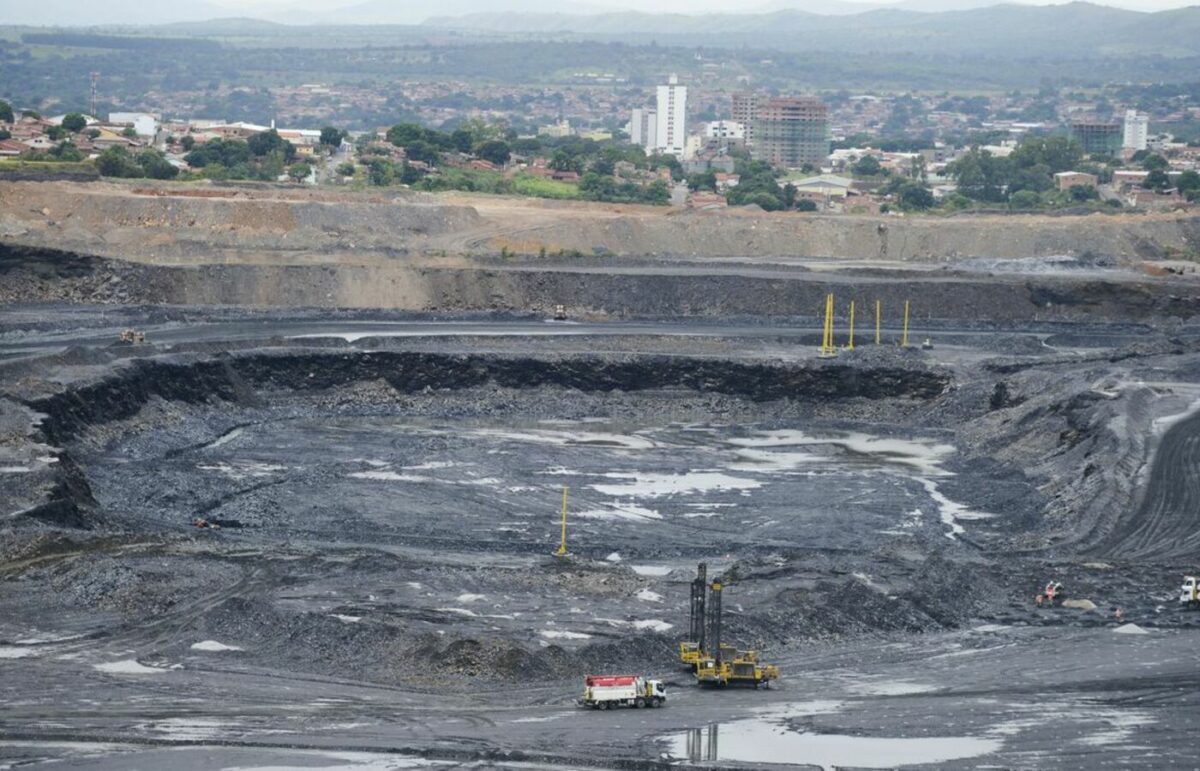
[604, 705]
[656, 702]
[639, 702]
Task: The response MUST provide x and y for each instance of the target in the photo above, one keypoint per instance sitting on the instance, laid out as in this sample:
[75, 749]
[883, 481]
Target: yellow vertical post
[878, 313]
[562, 546]
[904, 337]
[827, 349]
[850, 343]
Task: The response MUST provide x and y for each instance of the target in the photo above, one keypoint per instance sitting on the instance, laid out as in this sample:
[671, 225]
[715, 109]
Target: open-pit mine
[282, 479]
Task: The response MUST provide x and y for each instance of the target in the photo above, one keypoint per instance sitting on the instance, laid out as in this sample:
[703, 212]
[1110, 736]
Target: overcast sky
[681, 6]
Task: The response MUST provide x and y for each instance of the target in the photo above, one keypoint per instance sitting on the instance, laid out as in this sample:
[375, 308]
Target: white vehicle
[611, 691]
[1190, 593]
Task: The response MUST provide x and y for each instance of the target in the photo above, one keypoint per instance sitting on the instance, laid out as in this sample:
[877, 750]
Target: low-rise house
[13, 148]
[1065, 180]
[705, 200]
[1126, 178]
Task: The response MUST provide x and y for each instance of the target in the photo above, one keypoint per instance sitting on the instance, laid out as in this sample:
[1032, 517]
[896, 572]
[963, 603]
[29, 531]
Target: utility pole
[562, 546]
[878, 313]
[904, 338]
[95, 80]
[850, 344]
[827, 349]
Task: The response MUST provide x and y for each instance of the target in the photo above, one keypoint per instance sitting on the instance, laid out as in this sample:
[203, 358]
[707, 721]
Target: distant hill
[1074, 29]
[81, 14]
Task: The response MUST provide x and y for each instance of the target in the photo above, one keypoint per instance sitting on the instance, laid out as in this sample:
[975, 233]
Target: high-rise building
[745, 111]
[1137, 130]
[791, 132]
[643, 128]
[1097, 137]
[671, 128]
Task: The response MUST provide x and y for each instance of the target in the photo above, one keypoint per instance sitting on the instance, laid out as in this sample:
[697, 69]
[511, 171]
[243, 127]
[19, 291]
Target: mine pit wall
[264, 224]
[32, 274]
[240, 378]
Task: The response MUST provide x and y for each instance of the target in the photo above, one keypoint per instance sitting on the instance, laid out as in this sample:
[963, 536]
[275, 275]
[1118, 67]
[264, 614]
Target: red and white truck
[610, 691]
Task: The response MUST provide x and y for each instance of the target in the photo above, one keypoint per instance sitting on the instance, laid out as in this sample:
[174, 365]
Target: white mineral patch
[15, 469]
[458, 611]
[651, 485]
[213, 646]
[227, 438]
[566, 438]
[11, 652]
[923, 454]
[653, 624]
[346, 619]
[1130, 629]
[390, 476]
[242, 469]
[891, 688]
[127, 667]
[468, 597]
[555, 634]
[645, 595]
[614, 557]
[650, 570]
[618, 511]
[433, 464]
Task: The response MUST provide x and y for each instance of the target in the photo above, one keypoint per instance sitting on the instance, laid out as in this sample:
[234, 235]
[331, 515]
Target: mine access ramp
[611, 691]
[715, 663]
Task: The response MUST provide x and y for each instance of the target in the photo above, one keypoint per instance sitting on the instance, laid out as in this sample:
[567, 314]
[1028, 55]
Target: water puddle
[757, 741]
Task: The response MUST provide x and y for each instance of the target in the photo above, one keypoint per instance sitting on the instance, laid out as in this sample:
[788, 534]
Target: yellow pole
[827, 349]
[850, 345]
[562, 546]
[878, 310]
[904, 338]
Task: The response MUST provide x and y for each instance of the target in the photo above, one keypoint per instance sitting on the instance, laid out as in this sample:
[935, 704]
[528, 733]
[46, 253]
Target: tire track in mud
[1166, 524]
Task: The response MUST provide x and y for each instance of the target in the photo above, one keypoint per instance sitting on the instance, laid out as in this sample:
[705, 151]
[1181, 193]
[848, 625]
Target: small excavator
[713, 662]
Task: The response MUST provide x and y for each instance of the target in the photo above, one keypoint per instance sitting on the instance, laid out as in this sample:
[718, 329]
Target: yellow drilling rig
[713, 662]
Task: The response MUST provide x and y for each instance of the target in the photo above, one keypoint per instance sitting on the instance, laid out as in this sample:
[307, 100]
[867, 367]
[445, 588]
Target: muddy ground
[381, 591]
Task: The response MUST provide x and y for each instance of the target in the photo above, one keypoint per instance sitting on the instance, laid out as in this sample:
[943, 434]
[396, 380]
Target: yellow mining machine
[713, 662]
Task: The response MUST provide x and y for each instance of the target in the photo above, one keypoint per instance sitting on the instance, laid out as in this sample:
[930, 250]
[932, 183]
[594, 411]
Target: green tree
[74, 122]
[116, 162]
[404, 134]
[1188, 182]
[702, 180]
[563, 160]
[867, 166]
[332, 137]
[422, 151]
[1083, 193]
[1025, 199]
[187, 143]
[1155, 163]
[6, 112]
[789, 194]
[980, 175]
[1056, 153]
[346, 169]
[299, 171]
[5, 134]
[267, 142]
[806, 205]
[1157, 179]
[129, 133]
[379, 172]
[914, 196]
[494, 151]
[156, 166]
[66, 151]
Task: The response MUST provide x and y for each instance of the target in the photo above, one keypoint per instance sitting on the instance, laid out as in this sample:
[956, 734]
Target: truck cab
[1190, 591]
